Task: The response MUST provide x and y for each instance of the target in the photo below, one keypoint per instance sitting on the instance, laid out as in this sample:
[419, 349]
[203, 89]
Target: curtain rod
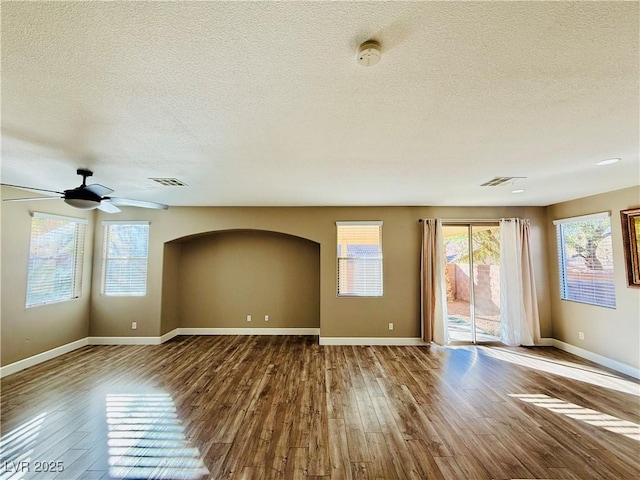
[466, 220]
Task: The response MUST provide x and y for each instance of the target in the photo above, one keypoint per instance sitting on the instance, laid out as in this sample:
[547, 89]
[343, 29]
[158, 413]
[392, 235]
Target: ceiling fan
[88, 197]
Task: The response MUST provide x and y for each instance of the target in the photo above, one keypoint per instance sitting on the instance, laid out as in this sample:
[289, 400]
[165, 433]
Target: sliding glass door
[473, 281]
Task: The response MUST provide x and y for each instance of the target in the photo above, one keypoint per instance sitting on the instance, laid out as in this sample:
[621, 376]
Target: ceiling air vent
[497, 181]
[169, 182]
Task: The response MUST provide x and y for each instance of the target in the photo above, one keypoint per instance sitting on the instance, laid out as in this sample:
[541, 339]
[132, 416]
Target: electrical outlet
[134, 325]
[581, 335]
[266, 318]
[390, 326]
[248, 318]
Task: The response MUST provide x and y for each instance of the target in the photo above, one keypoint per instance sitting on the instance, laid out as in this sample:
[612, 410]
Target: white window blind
[585, 259]
[56, 252]
[360, 259]
[125, 256]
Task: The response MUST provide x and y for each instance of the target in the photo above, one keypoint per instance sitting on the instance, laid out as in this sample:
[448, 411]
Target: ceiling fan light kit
[82, 203]
[90, 197]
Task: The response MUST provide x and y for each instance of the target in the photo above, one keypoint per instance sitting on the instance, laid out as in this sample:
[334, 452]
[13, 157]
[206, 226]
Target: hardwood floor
[264, 407]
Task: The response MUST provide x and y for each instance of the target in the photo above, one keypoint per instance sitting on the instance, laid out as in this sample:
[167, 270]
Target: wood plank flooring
[263, 407]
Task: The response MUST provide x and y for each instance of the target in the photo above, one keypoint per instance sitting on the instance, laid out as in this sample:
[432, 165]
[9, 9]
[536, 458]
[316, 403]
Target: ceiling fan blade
[98, 189]
[107, 206]
[127, 202]
[32, 188]
[30, 199]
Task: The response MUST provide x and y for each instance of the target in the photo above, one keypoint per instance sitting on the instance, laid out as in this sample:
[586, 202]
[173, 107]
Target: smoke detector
[369, 53]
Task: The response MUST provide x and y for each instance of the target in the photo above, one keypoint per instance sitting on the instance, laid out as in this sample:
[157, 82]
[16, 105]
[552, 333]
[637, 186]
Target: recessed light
[519, 190]
[608, 161]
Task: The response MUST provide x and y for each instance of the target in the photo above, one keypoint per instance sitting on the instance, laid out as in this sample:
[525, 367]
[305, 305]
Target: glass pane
[587, 266]
[456, 239]
[128, 241]
[125, 267]
[486, 281]
[359, 260]
[53, 275]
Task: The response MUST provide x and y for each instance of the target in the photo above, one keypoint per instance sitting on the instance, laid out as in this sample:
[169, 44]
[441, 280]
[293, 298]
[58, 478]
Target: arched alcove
[215, 280]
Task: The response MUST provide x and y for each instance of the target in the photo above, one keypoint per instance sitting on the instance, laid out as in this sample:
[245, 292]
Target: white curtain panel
[433, 293]
[520, 323]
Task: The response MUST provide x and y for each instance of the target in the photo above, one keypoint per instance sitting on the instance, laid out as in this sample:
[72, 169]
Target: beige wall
[112, 316]
[159, 312]
[224, 277]
[29, 331]
[613, 333]
[170, 314]
[339, 317]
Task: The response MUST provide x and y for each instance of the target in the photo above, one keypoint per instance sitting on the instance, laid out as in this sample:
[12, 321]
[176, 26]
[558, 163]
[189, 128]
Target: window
[56, 251]
[125, 254]
[585, 257]
[359, 259]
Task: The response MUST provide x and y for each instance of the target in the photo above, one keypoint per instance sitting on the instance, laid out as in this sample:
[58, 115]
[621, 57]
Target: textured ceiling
[264, 104]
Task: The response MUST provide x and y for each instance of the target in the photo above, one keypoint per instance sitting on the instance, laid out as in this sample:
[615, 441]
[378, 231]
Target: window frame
[106, 225]
[562, 262]
[372, 223]
[77, 265]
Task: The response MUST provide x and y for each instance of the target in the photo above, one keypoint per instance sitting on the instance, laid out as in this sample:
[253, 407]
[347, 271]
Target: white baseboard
[200, 331]
[42, 357]
[248, 331]
[597, 358]
[56, 352]
[169, 335]
[124, 340]
[545, 342]
[400, 341]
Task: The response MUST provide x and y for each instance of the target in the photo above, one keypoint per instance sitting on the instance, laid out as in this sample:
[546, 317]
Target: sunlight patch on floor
[586, 415]
[146, 439]
[570, 370]
[16, 448]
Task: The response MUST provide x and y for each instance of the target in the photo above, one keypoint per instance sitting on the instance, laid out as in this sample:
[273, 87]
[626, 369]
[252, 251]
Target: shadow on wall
[215, 280]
